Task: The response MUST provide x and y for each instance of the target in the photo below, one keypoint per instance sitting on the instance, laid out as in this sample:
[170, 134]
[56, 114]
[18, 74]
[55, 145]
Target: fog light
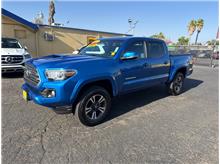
[48, 93]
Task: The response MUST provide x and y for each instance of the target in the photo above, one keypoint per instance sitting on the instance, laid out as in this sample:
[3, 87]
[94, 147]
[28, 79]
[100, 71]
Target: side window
[137, 47]
[155, 49]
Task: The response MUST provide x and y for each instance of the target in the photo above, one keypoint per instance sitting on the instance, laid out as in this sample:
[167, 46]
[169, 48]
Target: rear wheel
[176, 86]
[93, 106]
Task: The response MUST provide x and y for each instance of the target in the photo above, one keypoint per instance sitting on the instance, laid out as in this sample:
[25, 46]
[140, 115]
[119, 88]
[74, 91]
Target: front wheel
[176, 86]
[93, 106]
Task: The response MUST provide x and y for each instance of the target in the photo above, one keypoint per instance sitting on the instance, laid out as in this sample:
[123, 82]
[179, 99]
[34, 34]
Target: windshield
[10, 43]
[102, 48]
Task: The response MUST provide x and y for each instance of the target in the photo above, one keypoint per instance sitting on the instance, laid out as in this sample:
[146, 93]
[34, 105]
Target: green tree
[213, 42]
[183, 41]
[159, 36]
[199, 25]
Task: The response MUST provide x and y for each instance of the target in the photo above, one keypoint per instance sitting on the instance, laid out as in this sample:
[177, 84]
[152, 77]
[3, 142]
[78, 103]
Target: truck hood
[13, 51]
[64, 61]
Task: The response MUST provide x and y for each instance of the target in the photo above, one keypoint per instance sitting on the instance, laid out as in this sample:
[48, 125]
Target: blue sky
[171, 18]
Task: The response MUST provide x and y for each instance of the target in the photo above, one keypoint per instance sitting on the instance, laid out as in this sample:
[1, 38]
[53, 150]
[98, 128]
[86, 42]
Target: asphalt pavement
[148, 126]
[206, 62]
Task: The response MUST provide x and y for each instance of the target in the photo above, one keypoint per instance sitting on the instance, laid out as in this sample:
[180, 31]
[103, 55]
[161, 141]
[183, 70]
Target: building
[44, 39]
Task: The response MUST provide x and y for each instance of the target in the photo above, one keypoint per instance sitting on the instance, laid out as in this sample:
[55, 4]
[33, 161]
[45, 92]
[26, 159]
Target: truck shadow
[129, 102]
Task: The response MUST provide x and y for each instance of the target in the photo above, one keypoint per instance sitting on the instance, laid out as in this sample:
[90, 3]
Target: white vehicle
[13, 55]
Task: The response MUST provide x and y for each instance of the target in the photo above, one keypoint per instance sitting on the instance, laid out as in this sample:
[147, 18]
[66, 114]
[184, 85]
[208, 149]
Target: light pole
[132, 24]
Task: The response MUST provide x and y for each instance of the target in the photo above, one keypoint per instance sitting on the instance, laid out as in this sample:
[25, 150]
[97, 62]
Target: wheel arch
[108, 83]
[181, 69]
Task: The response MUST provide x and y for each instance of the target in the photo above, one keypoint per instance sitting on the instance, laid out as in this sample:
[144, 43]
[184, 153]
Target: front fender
[81, 83]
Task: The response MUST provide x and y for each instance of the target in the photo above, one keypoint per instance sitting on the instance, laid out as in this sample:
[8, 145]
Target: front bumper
[190, 70]
[12, 68]
[62, 98]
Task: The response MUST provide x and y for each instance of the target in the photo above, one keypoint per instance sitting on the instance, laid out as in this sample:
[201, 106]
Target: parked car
[86, 83]
[202, 55]
[13, 55]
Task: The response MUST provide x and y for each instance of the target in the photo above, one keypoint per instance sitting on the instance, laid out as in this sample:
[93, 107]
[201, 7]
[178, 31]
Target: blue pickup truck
[109, 67]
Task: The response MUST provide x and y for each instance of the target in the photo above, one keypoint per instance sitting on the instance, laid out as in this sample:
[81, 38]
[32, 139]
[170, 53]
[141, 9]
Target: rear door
[158, 61]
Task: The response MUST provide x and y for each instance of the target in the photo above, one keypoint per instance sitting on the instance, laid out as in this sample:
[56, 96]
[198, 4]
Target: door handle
[146, 65]
[166, 62]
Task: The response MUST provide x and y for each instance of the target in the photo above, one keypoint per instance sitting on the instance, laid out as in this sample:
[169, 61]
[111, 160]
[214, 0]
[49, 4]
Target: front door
[133, 70]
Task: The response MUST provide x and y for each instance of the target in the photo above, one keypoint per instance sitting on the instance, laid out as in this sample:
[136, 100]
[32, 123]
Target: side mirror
[129, 55]
[25, 47]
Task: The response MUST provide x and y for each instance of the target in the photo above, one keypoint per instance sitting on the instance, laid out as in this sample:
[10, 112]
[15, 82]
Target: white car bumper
[12, 68]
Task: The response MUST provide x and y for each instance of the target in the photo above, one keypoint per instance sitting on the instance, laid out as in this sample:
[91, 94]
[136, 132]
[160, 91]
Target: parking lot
[147, 126]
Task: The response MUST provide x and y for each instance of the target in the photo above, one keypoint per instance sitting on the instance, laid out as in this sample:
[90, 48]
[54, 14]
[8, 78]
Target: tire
[176, 86]
[93, 106]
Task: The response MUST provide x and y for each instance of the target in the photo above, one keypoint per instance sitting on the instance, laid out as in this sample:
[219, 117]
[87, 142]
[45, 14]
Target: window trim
[159, 42]
[145, 50]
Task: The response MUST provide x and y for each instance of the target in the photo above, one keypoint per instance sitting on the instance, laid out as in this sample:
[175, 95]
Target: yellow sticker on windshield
[94, 43]
[112, 53]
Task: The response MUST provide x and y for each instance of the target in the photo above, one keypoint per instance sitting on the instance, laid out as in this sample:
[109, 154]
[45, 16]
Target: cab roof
[130, 38]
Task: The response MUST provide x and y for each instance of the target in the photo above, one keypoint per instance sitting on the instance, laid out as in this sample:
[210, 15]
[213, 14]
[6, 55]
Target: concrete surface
[148, 126]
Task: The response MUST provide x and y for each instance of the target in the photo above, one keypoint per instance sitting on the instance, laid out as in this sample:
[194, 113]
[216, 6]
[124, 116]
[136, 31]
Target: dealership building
[44, 39]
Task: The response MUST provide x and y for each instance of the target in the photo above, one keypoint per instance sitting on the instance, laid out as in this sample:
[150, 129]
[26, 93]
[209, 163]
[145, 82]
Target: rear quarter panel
[178, 62]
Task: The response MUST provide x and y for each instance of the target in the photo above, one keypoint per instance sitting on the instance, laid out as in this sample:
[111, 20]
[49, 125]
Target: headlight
[59, 74]
[27, 56]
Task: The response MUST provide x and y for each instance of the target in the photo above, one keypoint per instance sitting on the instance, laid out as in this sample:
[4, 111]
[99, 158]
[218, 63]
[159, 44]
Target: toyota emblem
[28, 72]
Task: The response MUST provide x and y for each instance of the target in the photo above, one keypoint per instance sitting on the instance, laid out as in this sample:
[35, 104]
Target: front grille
[31, 75]
[12, 59]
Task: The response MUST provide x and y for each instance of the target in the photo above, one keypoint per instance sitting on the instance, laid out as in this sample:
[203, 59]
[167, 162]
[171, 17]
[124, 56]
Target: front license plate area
[25, 95]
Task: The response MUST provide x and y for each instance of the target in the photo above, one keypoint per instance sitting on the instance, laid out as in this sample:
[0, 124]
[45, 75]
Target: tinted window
[93, 49]
[155, 49]
[10, 43]
[137, 47]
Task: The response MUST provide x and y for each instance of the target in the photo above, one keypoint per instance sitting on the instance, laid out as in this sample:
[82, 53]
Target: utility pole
[39, 19]
[132, 25]
[213, 50]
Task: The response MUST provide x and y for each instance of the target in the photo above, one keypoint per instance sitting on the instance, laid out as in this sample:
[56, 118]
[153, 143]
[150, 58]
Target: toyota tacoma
[86, 83]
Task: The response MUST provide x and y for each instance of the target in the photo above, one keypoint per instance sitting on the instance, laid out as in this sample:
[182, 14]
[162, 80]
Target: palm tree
[199, 25]
[51, 12]
[191, 28]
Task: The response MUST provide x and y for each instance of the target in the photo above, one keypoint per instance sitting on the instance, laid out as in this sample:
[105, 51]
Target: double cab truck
[13, 55]
[106, 68]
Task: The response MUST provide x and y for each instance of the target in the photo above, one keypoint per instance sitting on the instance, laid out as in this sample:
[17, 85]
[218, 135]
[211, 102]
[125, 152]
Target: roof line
[84, 29]
[19, 19]
[35, 27]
